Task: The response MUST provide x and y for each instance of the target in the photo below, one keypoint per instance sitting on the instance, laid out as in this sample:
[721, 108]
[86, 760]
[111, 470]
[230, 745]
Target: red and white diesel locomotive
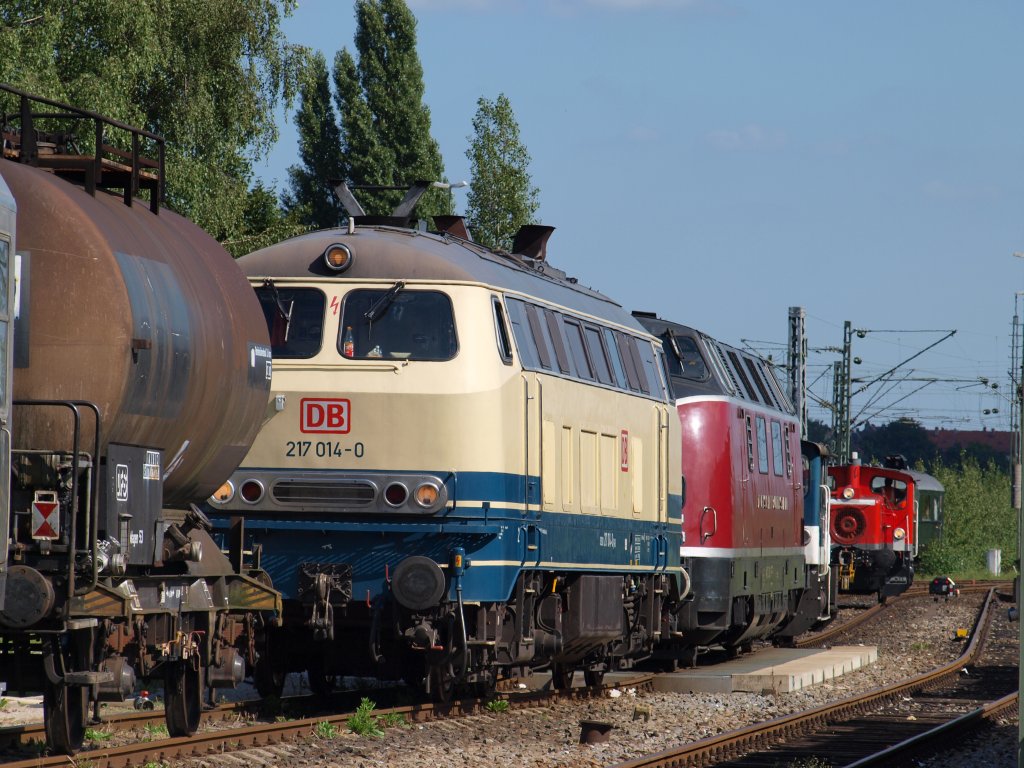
[745, 540]
[873, 528]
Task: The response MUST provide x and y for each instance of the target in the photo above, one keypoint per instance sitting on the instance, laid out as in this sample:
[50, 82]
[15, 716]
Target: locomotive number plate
[322, 449]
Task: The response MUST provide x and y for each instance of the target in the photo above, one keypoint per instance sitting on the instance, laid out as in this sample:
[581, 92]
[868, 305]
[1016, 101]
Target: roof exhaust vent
[452, 225]
[532, 241]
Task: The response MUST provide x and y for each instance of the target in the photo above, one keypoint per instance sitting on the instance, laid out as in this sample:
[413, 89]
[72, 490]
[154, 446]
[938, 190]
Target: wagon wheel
[443, 683]
[486, 686]
[320, 682]
[561, 676]
[65, 710]
[593, 677]
[183, 696]
[268, 676]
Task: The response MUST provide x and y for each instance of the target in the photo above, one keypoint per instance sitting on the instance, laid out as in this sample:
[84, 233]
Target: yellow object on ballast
[960, 634]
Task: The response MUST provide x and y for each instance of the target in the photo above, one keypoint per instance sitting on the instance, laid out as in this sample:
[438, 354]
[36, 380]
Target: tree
[206, 76]
[310, 198]
[501, 198]
[384, 126]
[977, 516]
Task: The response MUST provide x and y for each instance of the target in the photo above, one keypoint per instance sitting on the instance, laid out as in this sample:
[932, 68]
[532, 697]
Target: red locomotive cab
[873, 529]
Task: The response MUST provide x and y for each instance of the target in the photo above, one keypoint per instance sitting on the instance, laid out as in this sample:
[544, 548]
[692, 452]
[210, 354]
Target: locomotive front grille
[327, 493]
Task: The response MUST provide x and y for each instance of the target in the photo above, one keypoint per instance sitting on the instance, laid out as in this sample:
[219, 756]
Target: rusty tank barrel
[145, 315]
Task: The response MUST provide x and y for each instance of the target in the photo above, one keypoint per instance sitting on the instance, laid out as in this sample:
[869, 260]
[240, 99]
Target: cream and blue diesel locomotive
[469, 464]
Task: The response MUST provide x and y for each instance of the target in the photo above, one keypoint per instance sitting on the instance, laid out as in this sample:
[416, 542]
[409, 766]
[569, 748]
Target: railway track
[865, 728]
[826, 636]
[220, 735]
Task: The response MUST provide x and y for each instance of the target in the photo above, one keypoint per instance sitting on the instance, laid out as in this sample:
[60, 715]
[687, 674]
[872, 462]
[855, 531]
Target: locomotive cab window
[295, 319]
[683, 357]
[397, 324]
[892, 491]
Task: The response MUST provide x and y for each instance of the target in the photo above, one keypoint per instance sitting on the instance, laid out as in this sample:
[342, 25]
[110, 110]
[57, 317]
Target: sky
[719, 161]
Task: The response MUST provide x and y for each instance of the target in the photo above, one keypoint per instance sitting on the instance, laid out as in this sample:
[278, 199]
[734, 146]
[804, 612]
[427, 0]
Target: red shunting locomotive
[873, 529]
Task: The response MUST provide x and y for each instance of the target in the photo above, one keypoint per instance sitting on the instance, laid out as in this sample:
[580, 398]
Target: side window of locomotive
[295, 319]
[555, 335]
[598, 354]
[501, 332]
[521, 333]
[777, 464]
[613, 353]
[622, 343]
[398, 325]
[539, 339]
[762, 445]
[649, 365]
[574, 337]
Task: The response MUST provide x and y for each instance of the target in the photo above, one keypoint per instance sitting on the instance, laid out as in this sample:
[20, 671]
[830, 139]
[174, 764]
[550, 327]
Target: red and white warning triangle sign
[45, 520]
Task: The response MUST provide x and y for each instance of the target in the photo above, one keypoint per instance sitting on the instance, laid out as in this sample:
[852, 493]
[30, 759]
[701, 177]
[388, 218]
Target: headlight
[898, 534]
[337, 257]
[848, 492]
[426, 495]
[224, 494]
[252, 491]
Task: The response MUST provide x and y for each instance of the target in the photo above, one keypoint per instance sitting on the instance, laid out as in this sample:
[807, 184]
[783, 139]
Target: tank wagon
[139, 370]
[753, 548]
[472, 465]
[873, 528]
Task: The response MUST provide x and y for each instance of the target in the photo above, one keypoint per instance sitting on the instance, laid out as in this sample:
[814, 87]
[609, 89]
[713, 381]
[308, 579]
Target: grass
[363, 722]
[498, 705]
[97, 734]
[392, 720]
[325, 730]
[154, 731]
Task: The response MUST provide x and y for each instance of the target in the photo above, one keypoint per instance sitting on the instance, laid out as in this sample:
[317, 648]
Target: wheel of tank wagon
[443, 683]
[486, 685]
[65, 712]
[561, 676]
[321, 682]
[183, 696]
[268, 677]
[593, 677]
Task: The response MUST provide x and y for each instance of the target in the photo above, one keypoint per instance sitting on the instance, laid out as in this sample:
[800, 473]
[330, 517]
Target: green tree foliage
[977, 517]
[384, 125]
[205, 75]
[310, 198]
[501, 198]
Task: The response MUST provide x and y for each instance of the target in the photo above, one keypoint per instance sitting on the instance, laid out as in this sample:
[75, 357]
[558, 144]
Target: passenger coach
[469, 463]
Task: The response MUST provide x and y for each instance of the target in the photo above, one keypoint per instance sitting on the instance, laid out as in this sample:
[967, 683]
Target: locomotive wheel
[561, 676]
[65, 711]
[183, 697]
[593, 677]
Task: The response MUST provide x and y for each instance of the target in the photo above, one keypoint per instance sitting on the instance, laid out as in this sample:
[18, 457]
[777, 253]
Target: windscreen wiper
[380, 306]
[286, 314]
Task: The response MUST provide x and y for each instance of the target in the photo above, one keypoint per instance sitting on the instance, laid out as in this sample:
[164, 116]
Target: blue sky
[719, 161]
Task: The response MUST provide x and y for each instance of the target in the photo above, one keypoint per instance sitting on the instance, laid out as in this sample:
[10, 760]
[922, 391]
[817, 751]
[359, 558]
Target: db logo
[121, 482]
[325, 415]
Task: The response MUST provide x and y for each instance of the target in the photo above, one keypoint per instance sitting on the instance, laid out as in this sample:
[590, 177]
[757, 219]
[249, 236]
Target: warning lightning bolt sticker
[334, 305]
